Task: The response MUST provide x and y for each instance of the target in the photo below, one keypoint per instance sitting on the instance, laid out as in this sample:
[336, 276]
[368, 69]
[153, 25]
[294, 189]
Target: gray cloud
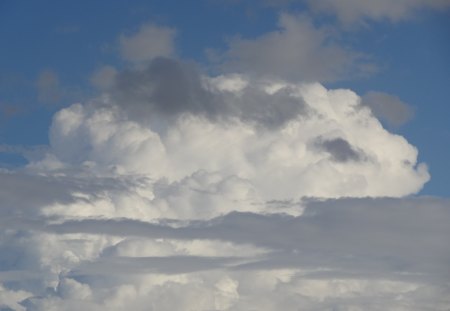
[49, 87]
[104, 77]
[357, 11]
[166, 86]
[297, 51]
[378, 237]
[350, 11]
[149, 42]
[339, 149]
[139, 265]
[271, 110]
[42, 190]
[388, 108]
[171, 88]
[52, 91]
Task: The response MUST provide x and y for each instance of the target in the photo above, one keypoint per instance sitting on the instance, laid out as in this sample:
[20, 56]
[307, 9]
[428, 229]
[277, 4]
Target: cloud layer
[345, 254]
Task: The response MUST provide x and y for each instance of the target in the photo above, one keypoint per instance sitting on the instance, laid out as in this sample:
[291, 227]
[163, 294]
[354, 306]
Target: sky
[224, 155]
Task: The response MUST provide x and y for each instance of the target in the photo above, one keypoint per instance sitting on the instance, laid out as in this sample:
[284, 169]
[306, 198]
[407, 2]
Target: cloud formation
[388, 108]
[148, 42]
[103, 78]
[316, 133]
[340, 150]
[350, 11]
[174, 190]
[345, 253]
[298, 51]
[357, 11]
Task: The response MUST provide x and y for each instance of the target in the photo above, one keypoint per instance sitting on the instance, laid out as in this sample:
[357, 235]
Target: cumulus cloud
[148, 42]
[286, 161]
[178, 191]
[298, 51]
[388, 108]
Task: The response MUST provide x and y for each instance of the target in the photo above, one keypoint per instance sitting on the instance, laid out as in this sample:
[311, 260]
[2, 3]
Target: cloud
[174, 190]
[339, 149]
[340, 253]
[280, 162]
[165, 86]
[30, 153]
[48, 87]
[296, 240]
[51, 91]
[149, 42]
[104, 77]
[298, 51]
[171, 88]
[351, 11]
[356, 11]
[388, 108]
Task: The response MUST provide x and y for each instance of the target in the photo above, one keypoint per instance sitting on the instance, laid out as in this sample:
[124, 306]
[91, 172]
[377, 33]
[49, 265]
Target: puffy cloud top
[284, 140]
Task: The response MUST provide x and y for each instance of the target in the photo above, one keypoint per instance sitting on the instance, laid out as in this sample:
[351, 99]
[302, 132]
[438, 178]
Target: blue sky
[224, 155]
[74, 39]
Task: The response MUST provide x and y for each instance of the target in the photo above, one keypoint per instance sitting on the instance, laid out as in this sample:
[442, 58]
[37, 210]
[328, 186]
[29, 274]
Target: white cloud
[333, 256]
[149, 42]
[261, 160]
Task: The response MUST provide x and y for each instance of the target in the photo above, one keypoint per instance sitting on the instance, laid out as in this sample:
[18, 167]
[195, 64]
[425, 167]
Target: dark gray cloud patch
[339, 149]
[170, 88]
[167, 87]
[270, 110]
